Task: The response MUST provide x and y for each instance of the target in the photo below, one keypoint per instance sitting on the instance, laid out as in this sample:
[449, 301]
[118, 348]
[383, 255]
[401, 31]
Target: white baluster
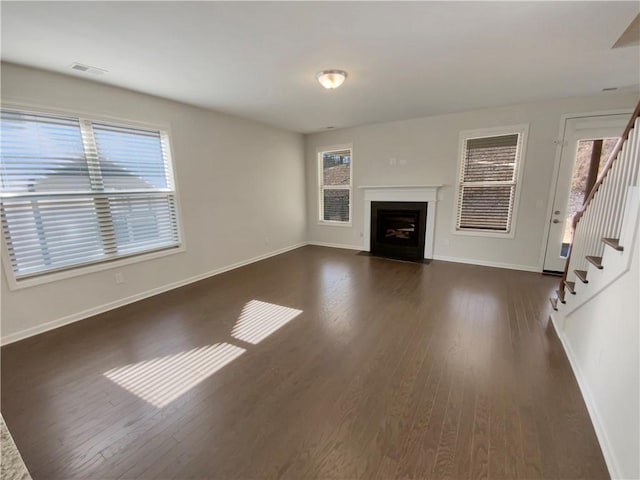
[620, 189]
[635, 153]
[606, 200]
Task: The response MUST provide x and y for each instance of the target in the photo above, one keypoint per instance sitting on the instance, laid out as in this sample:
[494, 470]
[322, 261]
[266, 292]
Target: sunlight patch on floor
[161, 380]
[259, 319]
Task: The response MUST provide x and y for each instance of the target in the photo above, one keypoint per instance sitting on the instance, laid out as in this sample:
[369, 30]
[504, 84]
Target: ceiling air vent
[79, 67]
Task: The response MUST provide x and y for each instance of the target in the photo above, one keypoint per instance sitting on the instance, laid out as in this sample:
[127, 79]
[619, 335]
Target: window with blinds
[77, 192]
[335, 185]
[488, 180]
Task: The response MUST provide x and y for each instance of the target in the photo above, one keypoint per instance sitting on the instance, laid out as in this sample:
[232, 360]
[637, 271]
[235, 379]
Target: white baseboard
[336, 245]
[510, 266]
[605, 445]
[29, 332]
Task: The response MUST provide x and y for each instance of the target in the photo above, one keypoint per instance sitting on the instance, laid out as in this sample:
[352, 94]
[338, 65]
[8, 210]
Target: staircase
[596, 308]
[606, 223]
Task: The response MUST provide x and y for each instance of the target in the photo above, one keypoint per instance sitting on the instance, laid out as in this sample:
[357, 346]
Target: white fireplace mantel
[401, 193]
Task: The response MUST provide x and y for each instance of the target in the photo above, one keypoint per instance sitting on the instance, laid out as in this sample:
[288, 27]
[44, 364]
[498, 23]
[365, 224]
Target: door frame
[560, 144]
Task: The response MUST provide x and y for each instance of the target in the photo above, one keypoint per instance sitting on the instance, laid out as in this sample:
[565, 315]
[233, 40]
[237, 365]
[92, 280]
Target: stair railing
[601, 214]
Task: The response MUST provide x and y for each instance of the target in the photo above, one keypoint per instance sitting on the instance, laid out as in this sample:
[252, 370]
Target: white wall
[240, 183]
[429, 146]
[602, 340]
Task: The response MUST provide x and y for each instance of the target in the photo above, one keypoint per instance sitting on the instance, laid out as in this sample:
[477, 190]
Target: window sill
[334, 224]
[76, 272]
[483, 233]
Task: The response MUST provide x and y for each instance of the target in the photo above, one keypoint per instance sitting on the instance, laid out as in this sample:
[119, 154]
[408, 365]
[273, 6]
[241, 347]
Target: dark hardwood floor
[391, 370]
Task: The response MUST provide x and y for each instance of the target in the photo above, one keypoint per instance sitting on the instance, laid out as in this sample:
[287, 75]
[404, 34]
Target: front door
[588, 142]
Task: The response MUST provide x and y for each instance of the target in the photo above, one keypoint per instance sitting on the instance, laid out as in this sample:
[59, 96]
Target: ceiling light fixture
[331, 79]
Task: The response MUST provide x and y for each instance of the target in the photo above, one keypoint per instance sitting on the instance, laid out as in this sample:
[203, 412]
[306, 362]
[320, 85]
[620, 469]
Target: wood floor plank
[390, 370]
[497, 416]
[444, 465]
[482, 361]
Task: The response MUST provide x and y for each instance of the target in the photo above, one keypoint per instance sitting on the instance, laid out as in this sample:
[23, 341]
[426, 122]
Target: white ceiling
[258, 60]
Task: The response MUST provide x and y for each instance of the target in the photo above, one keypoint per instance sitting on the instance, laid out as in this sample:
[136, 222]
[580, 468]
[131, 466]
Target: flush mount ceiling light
[331, 79]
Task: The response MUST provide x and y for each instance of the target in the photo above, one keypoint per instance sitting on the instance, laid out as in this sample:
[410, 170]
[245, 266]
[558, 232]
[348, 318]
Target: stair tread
[582, 275]
[571, 286]
[613, 243]
[554, 303]
[597, 261]
[560, 294]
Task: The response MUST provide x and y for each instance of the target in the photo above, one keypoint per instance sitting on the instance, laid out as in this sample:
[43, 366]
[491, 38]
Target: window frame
[321, 187]
[107, 264]
[522, 130]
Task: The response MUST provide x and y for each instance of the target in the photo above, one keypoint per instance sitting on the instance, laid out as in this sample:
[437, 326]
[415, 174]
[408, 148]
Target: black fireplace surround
[398, 229]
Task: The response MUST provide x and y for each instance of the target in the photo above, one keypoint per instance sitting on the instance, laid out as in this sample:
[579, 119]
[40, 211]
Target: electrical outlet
[119, 277]
[393, 161]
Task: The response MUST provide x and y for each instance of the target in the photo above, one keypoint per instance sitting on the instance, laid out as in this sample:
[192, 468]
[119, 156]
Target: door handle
[555, 220]
[557, 212]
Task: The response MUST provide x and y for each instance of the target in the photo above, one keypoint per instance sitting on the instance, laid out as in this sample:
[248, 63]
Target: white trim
[43, 278]
[483, 263]
[321, 187]
[467, 261]
[333, 223]
[603, 439]
[370, 187]
[468, 232]
[552, 189]
[38, 108]
[392, 193]
[164, 128]
[165, 135]
[335, 245]
[523, 133]
[74, 317]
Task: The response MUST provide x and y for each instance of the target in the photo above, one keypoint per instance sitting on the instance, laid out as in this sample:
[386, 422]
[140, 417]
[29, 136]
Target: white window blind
[77, 192]
[335, 185]
[488, 182]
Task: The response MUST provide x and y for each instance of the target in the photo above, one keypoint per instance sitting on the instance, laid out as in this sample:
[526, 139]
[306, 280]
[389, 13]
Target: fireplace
[400, 195]
[398, 229]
